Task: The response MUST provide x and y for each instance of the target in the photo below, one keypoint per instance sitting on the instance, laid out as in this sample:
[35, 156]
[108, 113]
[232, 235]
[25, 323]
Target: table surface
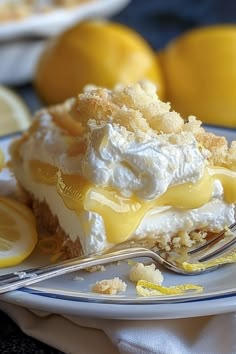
[158, 22]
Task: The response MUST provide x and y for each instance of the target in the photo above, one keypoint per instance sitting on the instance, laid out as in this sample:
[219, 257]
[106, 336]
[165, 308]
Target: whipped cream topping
[145, 167]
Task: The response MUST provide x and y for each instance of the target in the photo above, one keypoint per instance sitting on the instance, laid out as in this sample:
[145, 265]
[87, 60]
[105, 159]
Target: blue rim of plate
[76, 296]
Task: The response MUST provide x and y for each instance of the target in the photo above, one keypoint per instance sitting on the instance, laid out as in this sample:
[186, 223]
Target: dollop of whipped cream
[145, 167]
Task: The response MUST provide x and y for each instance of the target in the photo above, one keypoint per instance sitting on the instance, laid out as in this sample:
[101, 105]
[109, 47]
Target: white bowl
[21, 42]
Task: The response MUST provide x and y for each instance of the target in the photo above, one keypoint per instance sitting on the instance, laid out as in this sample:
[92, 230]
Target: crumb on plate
[97, 268]
[109, 286]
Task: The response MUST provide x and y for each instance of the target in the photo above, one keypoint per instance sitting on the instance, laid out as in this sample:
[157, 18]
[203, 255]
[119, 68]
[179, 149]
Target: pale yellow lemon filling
[122, 215]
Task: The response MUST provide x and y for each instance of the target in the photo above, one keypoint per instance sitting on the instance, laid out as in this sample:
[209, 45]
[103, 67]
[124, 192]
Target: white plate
[22, 42]
[66, 295]
[54, 22]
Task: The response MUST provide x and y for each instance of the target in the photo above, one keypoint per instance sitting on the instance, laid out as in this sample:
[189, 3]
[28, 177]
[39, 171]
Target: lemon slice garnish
[18, 235]
[146, 288]
[20, 208]
[50, 245]
[15, 115]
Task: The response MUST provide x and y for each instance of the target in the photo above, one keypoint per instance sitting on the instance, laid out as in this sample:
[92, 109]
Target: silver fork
[171, 260]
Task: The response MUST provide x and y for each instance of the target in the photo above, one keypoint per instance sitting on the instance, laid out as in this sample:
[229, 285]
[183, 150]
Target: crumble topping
[139, 114]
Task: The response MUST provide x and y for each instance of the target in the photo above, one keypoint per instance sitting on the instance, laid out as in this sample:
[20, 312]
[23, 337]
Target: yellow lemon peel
[145, 288]
[230, 258]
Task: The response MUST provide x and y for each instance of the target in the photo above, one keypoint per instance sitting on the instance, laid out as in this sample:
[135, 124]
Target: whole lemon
[200, 72]
[94, 52]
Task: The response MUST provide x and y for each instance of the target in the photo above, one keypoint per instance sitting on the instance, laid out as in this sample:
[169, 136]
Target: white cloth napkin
[79, 335]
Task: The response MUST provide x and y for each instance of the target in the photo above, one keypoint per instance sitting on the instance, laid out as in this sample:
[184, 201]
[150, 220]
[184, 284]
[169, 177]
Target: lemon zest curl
[145, 288]
[230, 258]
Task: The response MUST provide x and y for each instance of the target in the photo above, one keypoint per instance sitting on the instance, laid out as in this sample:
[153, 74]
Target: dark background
[158, 21]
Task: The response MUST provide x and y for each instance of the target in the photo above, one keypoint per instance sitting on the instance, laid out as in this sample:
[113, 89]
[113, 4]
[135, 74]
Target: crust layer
[49, 222]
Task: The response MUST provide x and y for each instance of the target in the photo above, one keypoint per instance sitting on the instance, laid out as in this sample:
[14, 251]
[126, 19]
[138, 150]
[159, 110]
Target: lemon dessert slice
[114, 166]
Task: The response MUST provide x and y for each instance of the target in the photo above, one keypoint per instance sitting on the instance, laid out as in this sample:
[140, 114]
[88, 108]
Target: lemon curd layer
[122, 215]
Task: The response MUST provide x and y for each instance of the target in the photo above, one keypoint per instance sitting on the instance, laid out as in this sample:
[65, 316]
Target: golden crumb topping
[231, 156]
[137, 109]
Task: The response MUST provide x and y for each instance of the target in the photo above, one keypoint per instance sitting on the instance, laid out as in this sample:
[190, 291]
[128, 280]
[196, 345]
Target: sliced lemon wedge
[20, 208]
[18, 235]
[15, 115]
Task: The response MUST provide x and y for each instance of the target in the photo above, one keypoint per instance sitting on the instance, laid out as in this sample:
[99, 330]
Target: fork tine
[213, 241]
[220, 250]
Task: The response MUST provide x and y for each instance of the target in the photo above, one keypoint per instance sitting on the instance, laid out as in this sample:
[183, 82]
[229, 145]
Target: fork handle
[18, 279]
